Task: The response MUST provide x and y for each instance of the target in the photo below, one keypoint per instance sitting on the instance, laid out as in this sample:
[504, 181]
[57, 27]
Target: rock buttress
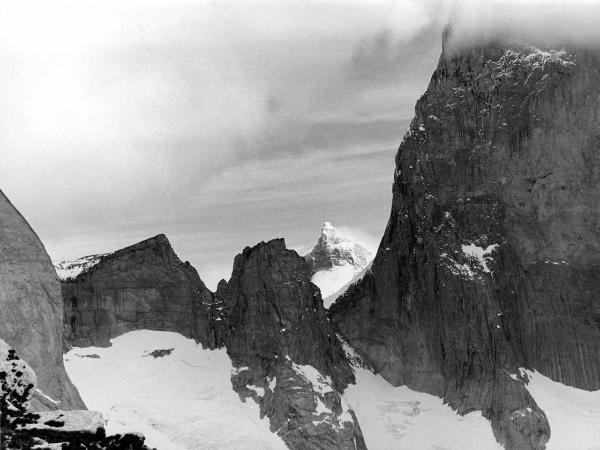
[286, 355]
[31, 307]
[491, 257]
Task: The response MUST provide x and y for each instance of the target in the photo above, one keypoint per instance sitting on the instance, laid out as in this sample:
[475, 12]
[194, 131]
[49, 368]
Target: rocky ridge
[489, 261]
[143, 286]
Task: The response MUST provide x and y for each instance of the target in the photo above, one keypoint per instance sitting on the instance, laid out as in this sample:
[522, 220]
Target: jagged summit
[334, 249]
[70, 269]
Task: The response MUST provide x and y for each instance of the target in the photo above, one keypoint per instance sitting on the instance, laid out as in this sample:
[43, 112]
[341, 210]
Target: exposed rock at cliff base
[143, 286]
[490, 258]
[31, 308]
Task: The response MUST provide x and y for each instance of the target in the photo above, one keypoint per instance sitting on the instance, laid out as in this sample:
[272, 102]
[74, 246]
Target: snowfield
[181, 400]
[179, 396]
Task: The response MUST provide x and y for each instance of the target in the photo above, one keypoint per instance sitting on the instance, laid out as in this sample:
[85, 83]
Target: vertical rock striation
[31, 308]
[287, 356]
[490, 260]
[144, 286]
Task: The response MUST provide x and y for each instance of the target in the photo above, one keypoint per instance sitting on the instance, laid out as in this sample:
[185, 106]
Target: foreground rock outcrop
[144, 286]
[31, 308]
[490, 259]
[287, 356]
[22, 429]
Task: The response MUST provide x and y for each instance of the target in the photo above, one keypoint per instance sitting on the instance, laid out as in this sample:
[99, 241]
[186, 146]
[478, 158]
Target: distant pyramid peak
[334, 249]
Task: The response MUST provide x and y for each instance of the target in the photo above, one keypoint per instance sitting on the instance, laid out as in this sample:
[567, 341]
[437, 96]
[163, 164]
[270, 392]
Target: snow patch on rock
[320, 383]
[69, 270]
[479, 254]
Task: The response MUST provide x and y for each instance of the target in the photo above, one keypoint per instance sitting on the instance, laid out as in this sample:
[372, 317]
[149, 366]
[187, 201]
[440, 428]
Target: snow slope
[574, 414]
[179, 397]
[330, 299]
[399, 418]
[331, 280]
[402, 419]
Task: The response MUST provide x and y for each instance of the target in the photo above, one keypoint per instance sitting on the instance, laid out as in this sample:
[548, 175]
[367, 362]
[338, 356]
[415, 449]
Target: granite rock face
[31, 307]
[144, 286]
[287, 357]
[490, 260]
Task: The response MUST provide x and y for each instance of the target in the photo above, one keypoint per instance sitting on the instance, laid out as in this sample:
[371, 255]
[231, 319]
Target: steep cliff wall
[490, 260]
[288, 358]
[31, 308]
[144, 286]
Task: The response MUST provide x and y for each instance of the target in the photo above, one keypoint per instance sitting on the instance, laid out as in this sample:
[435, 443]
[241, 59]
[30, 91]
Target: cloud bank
[543, 23]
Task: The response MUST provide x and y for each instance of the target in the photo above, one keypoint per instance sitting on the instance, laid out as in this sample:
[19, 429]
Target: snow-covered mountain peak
[335, 261]
[335, 249]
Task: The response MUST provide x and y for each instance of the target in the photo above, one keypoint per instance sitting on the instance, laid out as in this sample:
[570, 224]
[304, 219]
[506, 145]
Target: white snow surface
[330, 299]
[573, 414]
[479, 253]
[330, 281]
[71, 269]
[183, 400]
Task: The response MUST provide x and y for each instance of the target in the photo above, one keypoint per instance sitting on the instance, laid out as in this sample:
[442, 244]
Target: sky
[218, 123]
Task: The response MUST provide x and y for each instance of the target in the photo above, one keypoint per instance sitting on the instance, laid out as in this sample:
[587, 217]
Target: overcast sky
[220, 124]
